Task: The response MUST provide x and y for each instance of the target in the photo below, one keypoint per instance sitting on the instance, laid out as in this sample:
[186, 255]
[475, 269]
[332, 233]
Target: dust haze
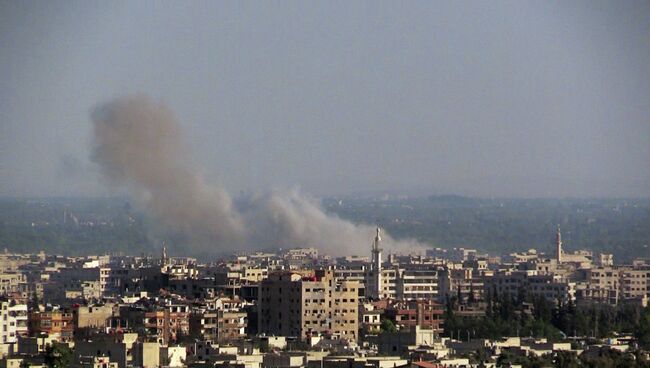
[138, 145]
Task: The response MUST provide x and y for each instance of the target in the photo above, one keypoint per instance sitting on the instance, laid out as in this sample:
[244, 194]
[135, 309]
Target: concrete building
[146, 355]
[219, 325]
[13, 283]
[58, 323]
[168, 323]
[113, 351]
[14, 320]
[463, 281]
[512, 283]
[93, 316]
[417, 282]
[454, 254]
[634, 283]
[603, 284]
[78, 275]
[401, 342]
[370, 319]
[425, 314]
[612, 284]
[304, 306]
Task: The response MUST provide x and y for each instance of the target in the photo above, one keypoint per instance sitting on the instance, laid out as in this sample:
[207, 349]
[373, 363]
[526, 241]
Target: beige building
[93, 316]
[416, 283]
[513, 283]
[460, 281]
[219, 325]
[634, 283]
[253, 274]
[146, 354]
[603, 285]
[305, 306]
[387, 284]
[612, 284]
[13, 282]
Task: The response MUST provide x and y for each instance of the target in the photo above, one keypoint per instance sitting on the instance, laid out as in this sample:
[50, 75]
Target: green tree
[58, 356]
[387, 326]
[566, 359]
[642, 332]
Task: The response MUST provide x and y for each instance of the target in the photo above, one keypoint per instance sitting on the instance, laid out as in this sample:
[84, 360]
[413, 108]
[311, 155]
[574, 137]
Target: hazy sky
[485, 98]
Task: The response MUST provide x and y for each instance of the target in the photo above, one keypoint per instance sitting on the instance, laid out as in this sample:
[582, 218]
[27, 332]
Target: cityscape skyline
[324, 184]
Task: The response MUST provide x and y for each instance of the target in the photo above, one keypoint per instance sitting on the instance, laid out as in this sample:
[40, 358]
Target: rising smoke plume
[138, 145]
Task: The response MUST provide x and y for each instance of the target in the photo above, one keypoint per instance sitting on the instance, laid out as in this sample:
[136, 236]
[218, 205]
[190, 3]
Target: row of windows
[344, 311]
[344, 300]
[315, 290]
[307, 301]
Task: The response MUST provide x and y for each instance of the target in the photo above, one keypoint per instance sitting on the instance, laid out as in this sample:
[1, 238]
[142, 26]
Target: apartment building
[512, 283]
[417, 283]
[426, 314]
[13, 321]
[602, 285]
[460, 281]
[168, 323]
[634, 283]
[223, 320]
[231, 325]
[58, 323]
[613, 284]
[295, 305]
[13, 283]
[87, 280]
[387, 284]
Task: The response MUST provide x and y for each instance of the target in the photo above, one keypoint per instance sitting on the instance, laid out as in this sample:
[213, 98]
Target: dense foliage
[525, 315]
[536, 317]
[58, 356]
[388, 326]
[601, 358]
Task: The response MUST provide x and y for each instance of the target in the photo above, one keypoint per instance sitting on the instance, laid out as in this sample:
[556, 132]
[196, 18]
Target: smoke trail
[138, 145]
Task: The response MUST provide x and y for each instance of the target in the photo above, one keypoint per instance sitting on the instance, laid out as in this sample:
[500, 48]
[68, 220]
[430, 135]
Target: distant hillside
[99, 225]
[72, 226]
[619, 226]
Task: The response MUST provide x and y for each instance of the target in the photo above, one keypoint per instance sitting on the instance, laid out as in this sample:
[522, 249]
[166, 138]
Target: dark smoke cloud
[138, 145]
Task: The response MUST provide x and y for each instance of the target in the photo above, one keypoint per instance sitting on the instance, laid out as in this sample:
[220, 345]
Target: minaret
[558, 244]
[376, 266]
[163, 257]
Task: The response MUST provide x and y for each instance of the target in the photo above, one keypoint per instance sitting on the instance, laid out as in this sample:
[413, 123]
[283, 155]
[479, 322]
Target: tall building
[292, 304]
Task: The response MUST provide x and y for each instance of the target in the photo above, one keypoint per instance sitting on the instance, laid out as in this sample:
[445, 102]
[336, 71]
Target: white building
[13, 321]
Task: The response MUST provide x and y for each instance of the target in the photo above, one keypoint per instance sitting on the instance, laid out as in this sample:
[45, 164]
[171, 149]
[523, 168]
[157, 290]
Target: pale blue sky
[487, 98]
